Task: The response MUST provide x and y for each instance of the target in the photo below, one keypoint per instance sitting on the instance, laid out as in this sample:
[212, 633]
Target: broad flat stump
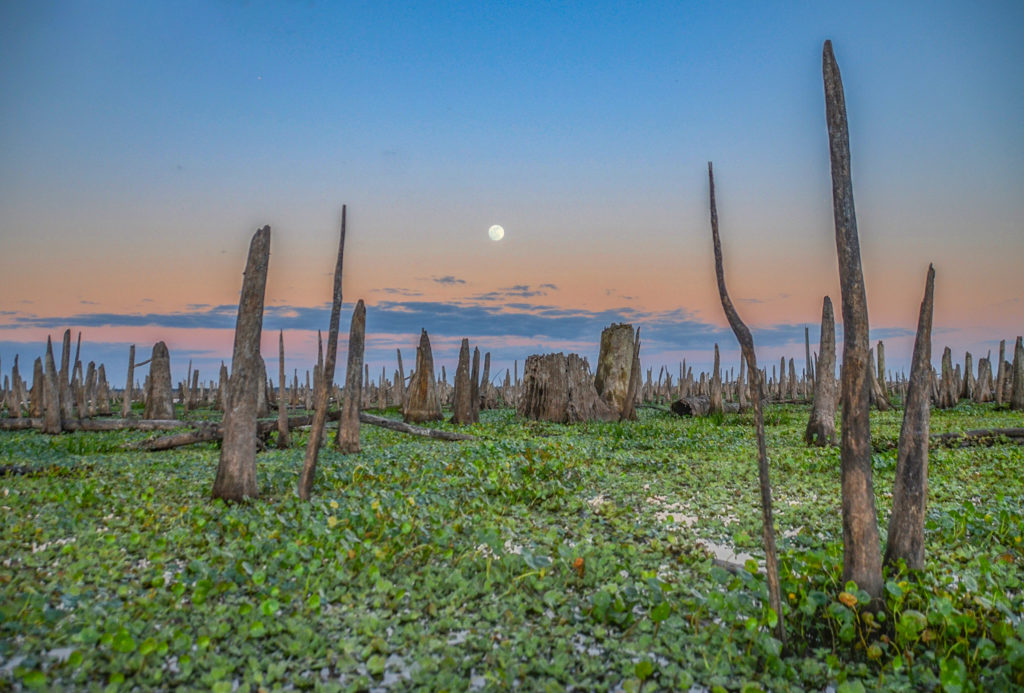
[560, 389]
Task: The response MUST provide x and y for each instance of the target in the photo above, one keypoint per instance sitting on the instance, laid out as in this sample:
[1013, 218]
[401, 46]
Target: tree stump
[560, 389]
[236, 471]
[821, 428]
[614, 364]
[1017, 395]
[421, 403]
[348, 424]
[462, 405]
[159, 391]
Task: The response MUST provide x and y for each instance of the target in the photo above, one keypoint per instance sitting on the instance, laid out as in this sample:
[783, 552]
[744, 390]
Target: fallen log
[264, 427]
[97, 424]
[981, 436]
[700, 406]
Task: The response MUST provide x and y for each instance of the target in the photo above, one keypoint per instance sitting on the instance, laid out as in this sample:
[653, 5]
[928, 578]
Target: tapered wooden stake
[747, 346]
[348, 424]
[862, 555]
[906, 524]
[51, 394]
[821, 427]
[236, 472]
[283, 436]
[327, 377]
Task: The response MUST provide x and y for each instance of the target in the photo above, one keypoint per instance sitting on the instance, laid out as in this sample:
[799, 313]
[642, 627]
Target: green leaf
[849, 686]
[34, 679]
[952, 674]
[643, 669]
[661, 612]
[123, 642]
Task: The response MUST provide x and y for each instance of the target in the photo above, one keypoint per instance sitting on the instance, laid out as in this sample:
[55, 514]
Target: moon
[496, 233]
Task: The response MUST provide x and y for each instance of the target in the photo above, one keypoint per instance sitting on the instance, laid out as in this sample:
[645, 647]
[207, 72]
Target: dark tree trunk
[910, 492]
[877, 395]
[36, 398]
[716, 387]
[746, 341]
[102, 392]
[236, 472]
[316, 430]
[629, 411]
[1001, 373]
[560, 389]
[699, 405]
[348, 424]
[948, 393]
[126, 397]
[1017, 396]
[51, 394]
[401, 381]
[983, 389]
[882, 386]
[283, 434]
[421, 403]
[474, 384]
[462, 409]
[821, 428]
[159, 392]
[741, 386]
[67, 407]
[967, 388]
[809, 372]
[862, 556]
[485, 400]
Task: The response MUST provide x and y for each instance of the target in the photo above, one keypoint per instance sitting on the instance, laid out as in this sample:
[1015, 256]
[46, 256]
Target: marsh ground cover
[541, 556]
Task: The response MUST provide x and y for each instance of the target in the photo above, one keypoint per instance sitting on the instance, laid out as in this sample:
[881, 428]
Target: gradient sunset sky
[143, 143]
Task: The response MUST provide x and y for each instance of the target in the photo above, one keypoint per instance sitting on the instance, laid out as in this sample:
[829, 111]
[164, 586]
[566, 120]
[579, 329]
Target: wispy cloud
[448, 280]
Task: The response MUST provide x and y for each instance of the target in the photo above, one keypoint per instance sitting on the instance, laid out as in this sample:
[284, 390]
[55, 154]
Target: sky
[142, 144]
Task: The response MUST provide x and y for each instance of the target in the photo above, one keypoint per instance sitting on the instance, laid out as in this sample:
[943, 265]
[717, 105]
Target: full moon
[496, 233]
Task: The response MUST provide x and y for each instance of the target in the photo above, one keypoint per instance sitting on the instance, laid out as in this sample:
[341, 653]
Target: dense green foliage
[549, 557]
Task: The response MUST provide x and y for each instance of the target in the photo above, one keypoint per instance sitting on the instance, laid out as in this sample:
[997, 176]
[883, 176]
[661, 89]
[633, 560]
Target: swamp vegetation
[539, 556]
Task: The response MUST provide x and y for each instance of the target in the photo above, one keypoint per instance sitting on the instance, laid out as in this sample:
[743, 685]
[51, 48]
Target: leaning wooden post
[910, 492]
[862, 556]
[316, 430]
[747, 346]
[283, 436]
[236, 473]
[348, 425]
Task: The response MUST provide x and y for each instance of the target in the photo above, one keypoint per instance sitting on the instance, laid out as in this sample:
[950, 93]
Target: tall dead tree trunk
[910, 492]
[629, 409]
[809, 377]
[967, 388]
[348, 424]
[948, 393]
[401, 381]
[51, 394]
[36, 398]
[102, 392]
[283, 435]
[421, 403]
[236, 472]
[862, 556]
[741, 386]
[882, 386]
[746, 341]
[159, 392]
[67, 407]
[484, 401]
[821, 428]
[323, 388]
[878, 397]
[1017, 396]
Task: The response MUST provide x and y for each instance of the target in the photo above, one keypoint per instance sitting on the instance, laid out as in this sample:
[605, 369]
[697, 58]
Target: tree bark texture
[700, 405]
[910, 491]
[715, 398]
[821, 428]
[236, 472]
[283, 435]
[746, 342]
[348, 424]
[1017, 396]
[862, 557]
[51, 394]
[462, 407]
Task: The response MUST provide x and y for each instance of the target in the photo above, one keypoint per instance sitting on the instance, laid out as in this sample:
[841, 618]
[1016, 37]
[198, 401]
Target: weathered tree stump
[51, 394]
[948, 392]
[560, 389]
[614, 364]
[906, 524]
[102, 392]
[236, 472]
[348, 425]
[159, 391]
[462, 406]
[821, 428]
[716, 405]
[283, 434]
[421, 402]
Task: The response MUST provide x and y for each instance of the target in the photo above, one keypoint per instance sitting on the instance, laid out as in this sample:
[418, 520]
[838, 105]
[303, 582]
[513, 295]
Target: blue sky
[141, 144]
